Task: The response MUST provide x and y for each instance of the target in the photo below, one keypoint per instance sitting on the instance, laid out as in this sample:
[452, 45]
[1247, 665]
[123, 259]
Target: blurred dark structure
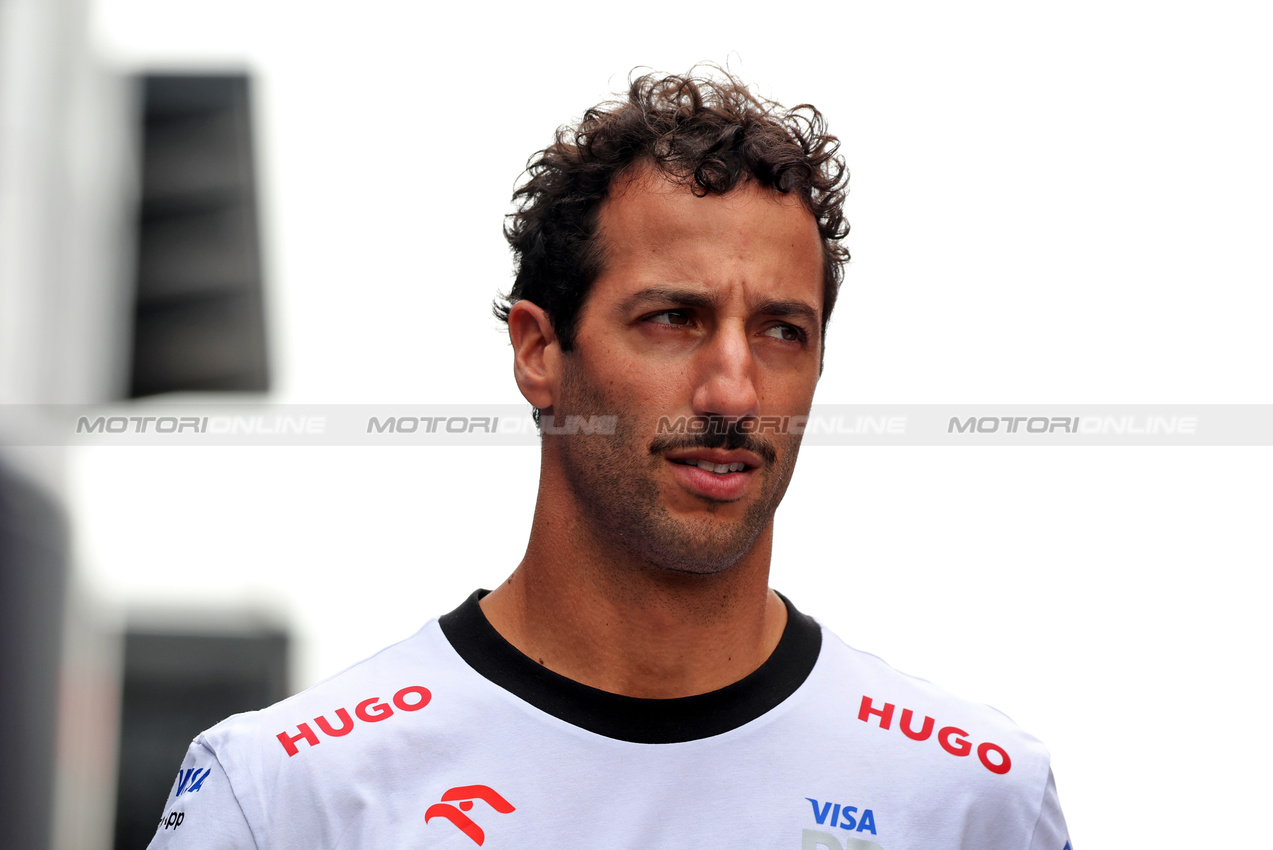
[33, 574]
[176, 686]
[199, 325]
[199, 322]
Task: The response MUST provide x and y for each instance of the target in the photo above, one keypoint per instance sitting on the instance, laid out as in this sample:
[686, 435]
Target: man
[635, 683]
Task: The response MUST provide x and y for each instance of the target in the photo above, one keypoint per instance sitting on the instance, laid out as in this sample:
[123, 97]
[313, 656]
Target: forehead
[656, 231]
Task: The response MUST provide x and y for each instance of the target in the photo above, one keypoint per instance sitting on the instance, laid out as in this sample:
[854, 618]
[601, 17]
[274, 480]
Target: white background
[1050, 203]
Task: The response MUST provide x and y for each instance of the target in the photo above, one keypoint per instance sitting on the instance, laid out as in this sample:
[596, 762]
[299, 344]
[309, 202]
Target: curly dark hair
[710, 134]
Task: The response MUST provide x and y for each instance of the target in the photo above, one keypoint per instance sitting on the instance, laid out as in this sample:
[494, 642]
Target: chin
[692, 549]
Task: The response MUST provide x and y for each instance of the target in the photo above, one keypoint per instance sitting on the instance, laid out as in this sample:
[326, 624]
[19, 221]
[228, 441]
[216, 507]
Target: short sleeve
[1050, 832]
[202, 812]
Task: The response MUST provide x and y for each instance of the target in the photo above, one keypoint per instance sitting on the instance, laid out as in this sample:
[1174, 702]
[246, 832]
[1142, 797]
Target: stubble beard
[614, 481]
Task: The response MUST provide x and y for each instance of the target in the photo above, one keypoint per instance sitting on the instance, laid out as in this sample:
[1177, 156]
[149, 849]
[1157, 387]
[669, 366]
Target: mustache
[714, 432]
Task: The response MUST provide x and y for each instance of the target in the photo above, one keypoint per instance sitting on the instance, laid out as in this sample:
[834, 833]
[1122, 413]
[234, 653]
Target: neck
[593, 613]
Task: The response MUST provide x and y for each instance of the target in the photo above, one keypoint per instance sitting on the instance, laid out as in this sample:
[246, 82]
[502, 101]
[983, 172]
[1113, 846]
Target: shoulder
[951, 747]
[395, 680]
[325, 742]
[293, 771]
[916, 710]
[301, 770]
[948, 765]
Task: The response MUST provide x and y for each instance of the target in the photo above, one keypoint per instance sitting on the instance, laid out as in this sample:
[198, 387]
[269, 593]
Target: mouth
[714, 474]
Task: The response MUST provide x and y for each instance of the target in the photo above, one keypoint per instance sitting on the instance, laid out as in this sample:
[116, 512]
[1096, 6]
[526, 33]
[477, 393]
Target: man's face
[707, 316]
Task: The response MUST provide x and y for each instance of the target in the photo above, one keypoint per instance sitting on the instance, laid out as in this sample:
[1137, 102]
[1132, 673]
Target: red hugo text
[371, 710]
[952, 739]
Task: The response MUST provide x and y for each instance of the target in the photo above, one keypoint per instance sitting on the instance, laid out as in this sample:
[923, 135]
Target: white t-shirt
[452, 738]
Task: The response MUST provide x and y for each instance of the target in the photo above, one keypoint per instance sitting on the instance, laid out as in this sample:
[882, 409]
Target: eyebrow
[658, 296]
[790, 309]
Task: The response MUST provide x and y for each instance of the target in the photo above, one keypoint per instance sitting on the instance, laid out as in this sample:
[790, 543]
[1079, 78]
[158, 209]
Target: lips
[713, 474]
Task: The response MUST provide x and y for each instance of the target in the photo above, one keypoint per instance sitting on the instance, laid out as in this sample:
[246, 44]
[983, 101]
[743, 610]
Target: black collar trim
[641, 721]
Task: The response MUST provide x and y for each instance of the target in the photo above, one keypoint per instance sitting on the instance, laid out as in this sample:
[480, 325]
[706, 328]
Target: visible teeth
[718, 468]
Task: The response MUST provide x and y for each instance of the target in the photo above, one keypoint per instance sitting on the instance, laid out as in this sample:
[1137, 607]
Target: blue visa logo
[189, 781]
[845, 817]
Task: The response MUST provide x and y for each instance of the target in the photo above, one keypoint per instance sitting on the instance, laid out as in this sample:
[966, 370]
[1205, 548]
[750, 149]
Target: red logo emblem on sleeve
[464, 795]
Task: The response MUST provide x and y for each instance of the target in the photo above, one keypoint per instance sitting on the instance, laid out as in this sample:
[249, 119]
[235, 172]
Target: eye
[670, 317]
[787, 333]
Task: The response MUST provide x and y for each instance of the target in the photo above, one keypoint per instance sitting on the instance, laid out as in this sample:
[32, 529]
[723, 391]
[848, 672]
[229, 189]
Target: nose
[725, 383]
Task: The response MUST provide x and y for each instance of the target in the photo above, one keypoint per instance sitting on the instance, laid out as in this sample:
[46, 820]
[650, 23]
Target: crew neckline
[635, 719]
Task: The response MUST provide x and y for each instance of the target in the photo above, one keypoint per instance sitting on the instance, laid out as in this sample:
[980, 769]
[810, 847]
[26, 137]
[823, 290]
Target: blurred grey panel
[199, 322]
[33, 569]
[201, 343]
[196, 157]
[196, 251]
[175, 686]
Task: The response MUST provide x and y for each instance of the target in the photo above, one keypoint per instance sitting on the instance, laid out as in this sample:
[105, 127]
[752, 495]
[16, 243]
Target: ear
[536, 353]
